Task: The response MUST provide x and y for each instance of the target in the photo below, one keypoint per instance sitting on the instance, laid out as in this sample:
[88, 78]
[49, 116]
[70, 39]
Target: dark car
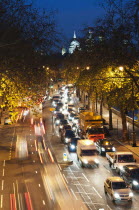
[62, 123]
[60, 104]
[105, 145]
[71, 116]
[81, 109]
[130, 174]
[73, 144]
[59, 117]
[67, 136]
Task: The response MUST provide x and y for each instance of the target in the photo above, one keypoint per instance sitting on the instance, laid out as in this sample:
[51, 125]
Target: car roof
[132, 167]
[115, 179]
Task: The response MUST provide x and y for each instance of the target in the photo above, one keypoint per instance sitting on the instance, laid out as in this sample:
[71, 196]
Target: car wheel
[110, 164]
[118, 171]
[105, 191]
[81, 164]
[130, 201]
[113, 200]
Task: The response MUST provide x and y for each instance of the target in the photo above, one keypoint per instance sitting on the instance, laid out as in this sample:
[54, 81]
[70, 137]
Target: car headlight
[66, 140]
[85, 161]
[121, 168]
[103, 149]
[113, 149]
[116, 195]
[135, 183]
[96, 161]
[130, 194]
[72, 146]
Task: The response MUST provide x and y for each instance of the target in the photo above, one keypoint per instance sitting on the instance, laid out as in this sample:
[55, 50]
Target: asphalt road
[21, 184]
[86, 183]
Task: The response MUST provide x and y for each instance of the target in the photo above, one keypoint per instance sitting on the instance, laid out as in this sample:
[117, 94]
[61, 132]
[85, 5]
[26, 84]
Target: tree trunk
[110, 118]
[124, 125]
[101, 106]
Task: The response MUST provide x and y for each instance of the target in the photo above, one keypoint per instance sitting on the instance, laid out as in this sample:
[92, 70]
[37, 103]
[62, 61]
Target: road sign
[52, 109]
[65, 158]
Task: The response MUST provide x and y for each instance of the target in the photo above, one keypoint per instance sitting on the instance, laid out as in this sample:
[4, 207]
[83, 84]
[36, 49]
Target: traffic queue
[86, 133]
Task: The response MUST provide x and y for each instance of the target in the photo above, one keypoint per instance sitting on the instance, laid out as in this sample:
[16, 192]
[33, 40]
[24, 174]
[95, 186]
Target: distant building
[74, 44]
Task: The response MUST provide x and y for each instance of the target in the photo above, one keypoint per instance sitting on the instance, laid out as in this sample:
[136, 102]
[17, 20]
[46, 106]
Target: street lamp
[88, 67]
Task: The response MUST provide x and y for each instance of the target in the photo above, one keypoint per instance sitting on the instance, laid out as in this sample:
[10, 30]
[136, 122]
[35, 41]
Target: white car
[116, 188]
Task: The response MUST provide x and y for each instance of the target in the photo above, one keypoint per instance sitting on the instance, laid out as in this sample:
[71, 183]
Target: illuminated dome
[74, 44]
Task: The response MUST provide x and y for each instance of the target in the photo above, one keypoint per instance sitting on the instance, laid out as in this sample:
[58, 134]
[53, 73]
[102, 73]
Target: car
[73, 144]
[130, 173]
[7, 121]
[117, 189]
[76, 119]
[55, 102]
[67, 136]
[81, 109]
[56, 97]
[59, 117]
[71, 116]
[67, 127]
[71, 107]
[64, 128]
[62, 123]
[105, 145]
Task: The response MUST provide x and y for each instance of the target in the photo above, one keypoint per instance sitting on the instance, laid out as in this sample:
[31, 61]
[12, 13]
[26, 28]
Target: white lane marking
[76, 165]
[1, 201]
[18, 195]
[3, 172]
[59, 167]
[43, 202]
[14, 187]
[85, 177]
[2, 184]
[65, 178]
[109, 207]
[74, 194]
[97, 192]
[4, 163]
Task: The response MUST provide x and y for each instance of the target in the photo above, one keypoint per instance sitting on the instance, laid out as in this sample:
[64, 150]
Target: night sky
[72, 14]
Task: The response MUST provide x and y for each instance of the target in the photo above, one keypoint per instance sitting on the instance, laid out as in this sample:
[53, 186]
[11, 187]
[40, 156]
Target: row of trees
[111, 51]
[27, 39]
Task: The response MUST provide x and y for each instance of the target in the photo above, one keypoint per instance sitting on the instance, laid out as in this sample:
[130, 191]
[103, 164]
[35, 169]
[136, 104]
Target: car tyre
[117, 171]
[105, 191]
[81, 164]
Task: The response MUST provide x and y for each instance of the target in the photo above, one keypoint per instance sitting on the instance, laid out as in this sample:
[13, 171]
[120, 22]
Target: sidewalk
[117, 131]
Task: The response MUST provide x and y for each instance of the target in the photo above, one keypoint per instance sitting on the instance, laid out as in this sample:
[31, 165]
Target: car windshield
[118, 185]
[63, 122]
[69, 133]
[95, 131]
[135, 173]
[89, 152]
[125, 158]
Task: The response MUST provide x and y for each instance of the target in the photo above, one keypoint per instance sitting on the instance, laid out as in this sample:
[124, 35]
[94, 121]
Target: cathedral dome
[74, 44]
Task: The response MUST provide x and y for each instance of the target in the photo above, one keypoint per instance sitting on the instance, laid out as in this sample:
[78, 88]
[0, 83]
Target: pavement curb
[126, 147]
[70, 162]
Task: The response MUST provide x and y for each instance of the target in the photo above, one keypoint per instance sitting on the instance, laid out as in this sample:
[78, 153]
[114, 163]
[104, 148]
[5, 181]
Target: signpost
[65, 158]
